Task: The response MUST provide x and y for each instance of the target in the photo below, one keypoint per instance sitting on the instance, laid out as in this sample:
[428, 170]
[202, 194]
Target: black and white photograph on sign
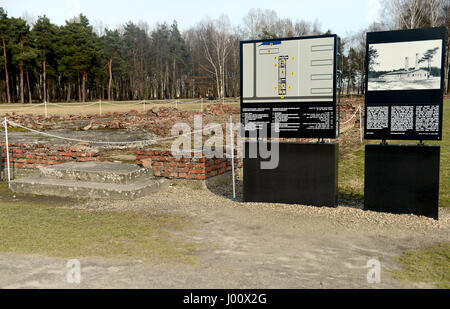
[405, 66]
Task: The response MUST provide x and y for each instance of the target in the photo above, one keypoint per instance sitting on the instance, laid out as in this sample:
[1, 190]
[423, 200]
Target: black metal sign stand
[404, 101]
[402, 179]
[307, 174]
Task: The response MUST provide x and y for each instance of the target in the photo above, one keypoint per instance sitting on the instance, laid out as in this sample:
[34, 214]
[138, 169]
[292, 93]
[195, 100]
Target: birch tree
[216, 43]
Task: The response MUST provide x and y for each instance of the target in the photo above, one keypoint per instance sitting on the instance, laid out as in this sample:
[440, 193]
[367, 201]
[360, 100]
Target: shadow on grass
[225, 189]
[346, 197]
[8, 196]
[351, 199]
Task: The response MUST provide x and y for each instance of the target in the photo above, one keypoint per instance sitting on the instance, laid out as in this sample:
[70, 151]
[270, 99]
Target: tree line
[41, 61]
[395, 15]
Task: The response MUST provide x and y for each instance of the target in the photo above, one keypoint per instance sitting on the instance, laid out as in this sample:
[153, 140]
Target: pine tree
[179, 56]
[23, 53]
[113, 50]
[4, 36]
[43, 38]
[79, 49]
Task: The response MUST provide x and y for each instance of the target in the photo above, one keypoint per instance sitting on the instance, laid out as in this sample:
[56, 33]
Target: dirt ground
[106, 107]
[248, 246]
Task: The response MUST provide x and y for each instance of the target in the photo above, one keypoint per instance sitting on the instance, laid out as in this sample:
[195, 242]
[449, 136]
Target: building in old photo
[408, 73]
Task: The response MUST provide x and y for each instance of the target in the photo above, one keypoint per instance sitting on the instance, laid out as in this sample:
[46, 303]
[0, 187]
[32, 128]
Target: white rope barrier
[76, 139]
[21, 109]
[100, 103]
[353, 116]
[359, 109]
[121, 104]
[73, 105]
[104, 142]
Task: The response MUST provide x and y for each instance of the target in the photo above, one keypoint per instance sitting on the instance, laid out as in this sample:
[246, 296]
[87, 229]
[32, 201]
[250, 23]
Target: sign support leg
[232, 158]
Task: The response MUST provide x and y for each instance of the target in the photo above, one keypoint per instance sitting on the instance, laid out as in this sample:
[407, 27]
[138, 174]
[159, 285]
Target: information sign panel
[404, 84]
[289, 85]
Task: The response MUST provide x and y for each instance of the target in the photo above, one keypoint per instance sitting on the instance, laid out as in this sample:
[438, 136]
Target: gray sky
[342, 17]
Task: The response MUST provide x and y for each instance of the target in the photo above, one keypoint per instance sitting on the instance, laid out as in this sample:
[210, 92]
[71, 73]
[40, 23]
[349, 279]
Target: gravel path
[249, 246]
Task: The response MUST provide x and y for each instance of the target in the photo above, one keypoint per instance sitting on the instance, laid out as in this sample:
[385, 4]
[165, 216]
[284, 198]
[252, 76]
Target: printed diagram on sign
[282, 60]
[298, 70]
[289, 85]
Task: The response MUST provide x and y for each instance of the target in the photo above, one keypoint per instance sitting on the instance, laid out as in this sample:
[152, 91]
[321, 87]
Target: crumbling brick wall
[40, 155]
[165, 164]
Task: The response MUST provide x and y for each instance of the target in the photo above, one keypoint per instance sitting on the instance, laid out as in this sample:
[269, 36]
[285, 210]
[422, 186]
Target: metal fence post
[7, 152]
[232, 157]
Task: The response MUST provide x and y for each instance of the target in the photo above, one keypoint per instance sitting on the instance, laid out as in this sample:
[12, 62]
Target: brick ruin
[165, 164]
[30, 156]
[158, 121]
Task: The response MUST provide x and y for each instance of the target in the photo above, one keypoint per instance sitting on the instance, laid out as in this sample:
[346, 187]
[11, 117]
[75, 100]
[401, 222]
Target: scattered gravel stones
[349, 218]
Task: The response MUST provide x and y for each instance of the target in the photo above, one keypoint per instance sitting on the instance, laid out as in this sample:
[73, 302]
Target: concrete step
[97, 172]
[81, 189]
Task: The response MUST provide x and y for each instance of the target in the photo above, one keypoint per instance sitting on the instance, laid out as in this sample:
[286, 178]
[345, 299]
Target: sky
[343, 17]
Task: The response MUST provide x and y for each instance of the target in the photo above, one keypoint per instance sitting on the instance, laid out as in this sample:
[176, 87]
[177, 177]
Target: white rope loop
[104, 142]
[353, 116]
[21, 109]
[73, 105]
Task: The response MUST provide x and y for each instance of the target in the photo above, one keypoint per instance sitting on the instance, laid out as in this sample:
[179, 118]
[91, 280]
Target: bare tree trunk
[40, 87]
[30, 99]
[68, 91]
[131, 86]
[166, 77]
[174, 78]
[84, 87]
[79, 88]
[48, 93]
[22, 96]
[110, 79]
[434, 10]
[8, 94]
[44, 65]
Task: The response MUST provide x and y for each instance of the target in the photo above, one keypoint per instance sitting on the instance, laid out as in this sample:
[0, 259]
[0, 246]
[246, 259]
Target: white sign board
[298, 70]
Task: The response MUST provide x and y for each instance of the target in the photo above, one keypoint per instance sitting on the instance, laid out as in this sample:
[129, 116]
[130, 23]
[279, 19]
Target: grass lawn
[431, 265]
[351, 167]
[46, 226]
